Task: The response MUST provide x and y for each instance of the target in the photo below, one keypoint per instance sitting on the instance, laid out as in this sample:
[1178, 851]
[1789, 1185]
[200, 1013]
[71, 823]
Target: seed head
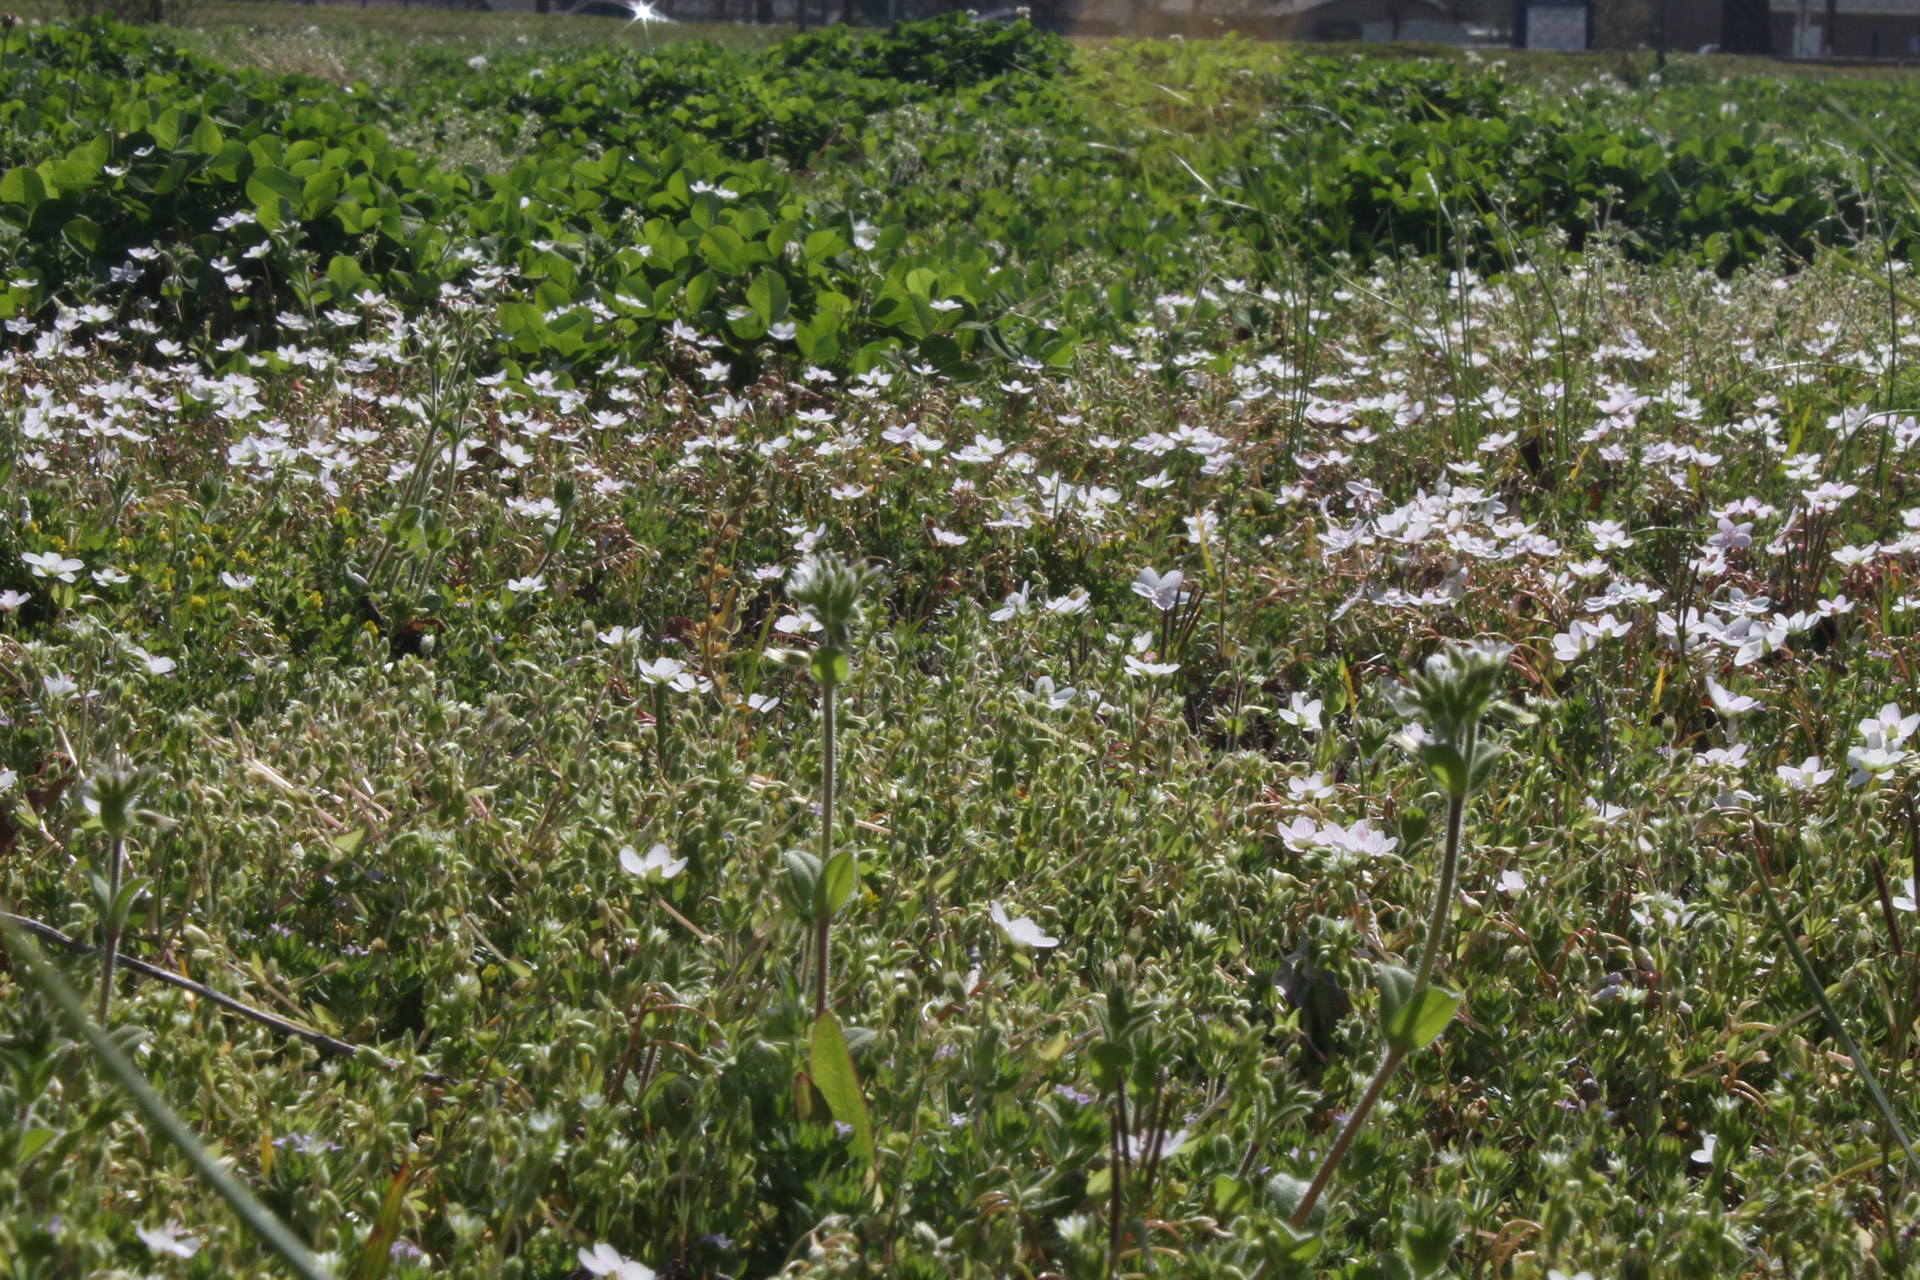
[1460, 684]
[829, 588]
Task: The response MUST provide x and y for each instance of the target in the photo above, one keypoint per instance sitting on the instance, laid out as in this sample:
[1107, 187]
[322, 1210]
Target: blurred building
[1679, 26]
[1431, 21]
[1847, 28]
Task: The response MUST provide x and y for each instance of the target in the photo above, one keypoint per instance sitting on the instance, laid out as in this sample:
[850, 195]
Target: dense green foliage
[947, 163]
[416, 478]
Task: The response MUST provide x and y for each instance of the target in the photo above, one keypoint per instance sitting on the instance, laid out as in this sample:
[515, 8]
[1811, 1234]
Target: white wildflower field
[852, 706]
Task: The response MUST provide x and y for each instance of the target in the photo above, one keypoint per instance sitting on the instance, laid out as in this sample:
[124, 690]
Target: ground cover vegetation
[935, 653]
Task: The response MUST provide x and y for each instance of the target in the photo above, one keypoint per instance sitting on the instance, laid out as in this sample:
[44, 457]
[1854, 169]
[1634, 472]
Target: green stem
[1388, 1066]
[256, 1217]
[1832, 1016]
[1443, 897]
[823, 927]
[1422, 979]
[110, 943]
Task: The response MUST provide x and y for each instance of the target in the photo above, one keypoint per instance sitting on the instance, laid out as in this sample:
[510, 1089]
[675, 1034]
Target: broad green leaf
[824, 244]
[836, 883]
[1285, 1192]
[83, 234]
[1396, 988]
[1231, 1196]
[1109, 1063]
[829, 666]
[767, 295]
[1420, 1019]
[207, 138]
[24, 186]
[833, 1074]
[32, 1141]
[1444, 761]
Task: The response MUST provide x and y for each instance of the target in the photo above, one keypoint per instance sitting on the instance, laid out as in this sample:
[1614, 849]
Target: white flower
[238, 581]
[1066, 606]
[1828, 497]
[7, 778]
[51, 564]
[614, 637]
[658, 863]
[157, 664]
[1606, 813]
[1891, 725]
[1141, 1145]
[1022, 931]
[1202, 526]
[1137, 667]
[1872, 759]
[1301, 834]
[1908, 899]
[526, 586]
[1163, 590]
[59, 687]
[1056, 698]
[762, 702]
[171, 1240]
[1805, 776]
[1017, 603]
[1312, 787]
[661, 670]
[1574, 643]
[11, 600]
[948, 539]
[1608, 535]
[1728, 703]
[111, 577]
[1511, 883]
[1304, 713]
[605, 1260]
[1360, 838]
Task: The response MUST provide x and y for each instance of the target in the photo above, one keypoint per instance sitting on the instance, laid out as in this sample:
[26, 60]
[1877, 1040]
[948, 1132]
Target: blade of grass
[257, 1218]
[1831, 1014]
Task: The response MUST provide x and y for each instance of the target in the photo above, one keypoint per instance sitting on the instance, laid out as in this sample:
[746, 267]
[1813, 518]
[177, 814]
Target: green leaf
[767, 295]
[1416, 1021]
[833, 1074]
[1110, 1062]
[1396, 988]
[829, 666]
[800, 884]
[836, 883]
[207, 138]
[268, 188]
[22, 185]
[377, 1254]
[1448, 767]
[83, 234]
[31, 1141]
[824, 244]
[1231, 1196]
[1414, 824]
[1284, 1194]
[256, 1217]
[700, 291]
